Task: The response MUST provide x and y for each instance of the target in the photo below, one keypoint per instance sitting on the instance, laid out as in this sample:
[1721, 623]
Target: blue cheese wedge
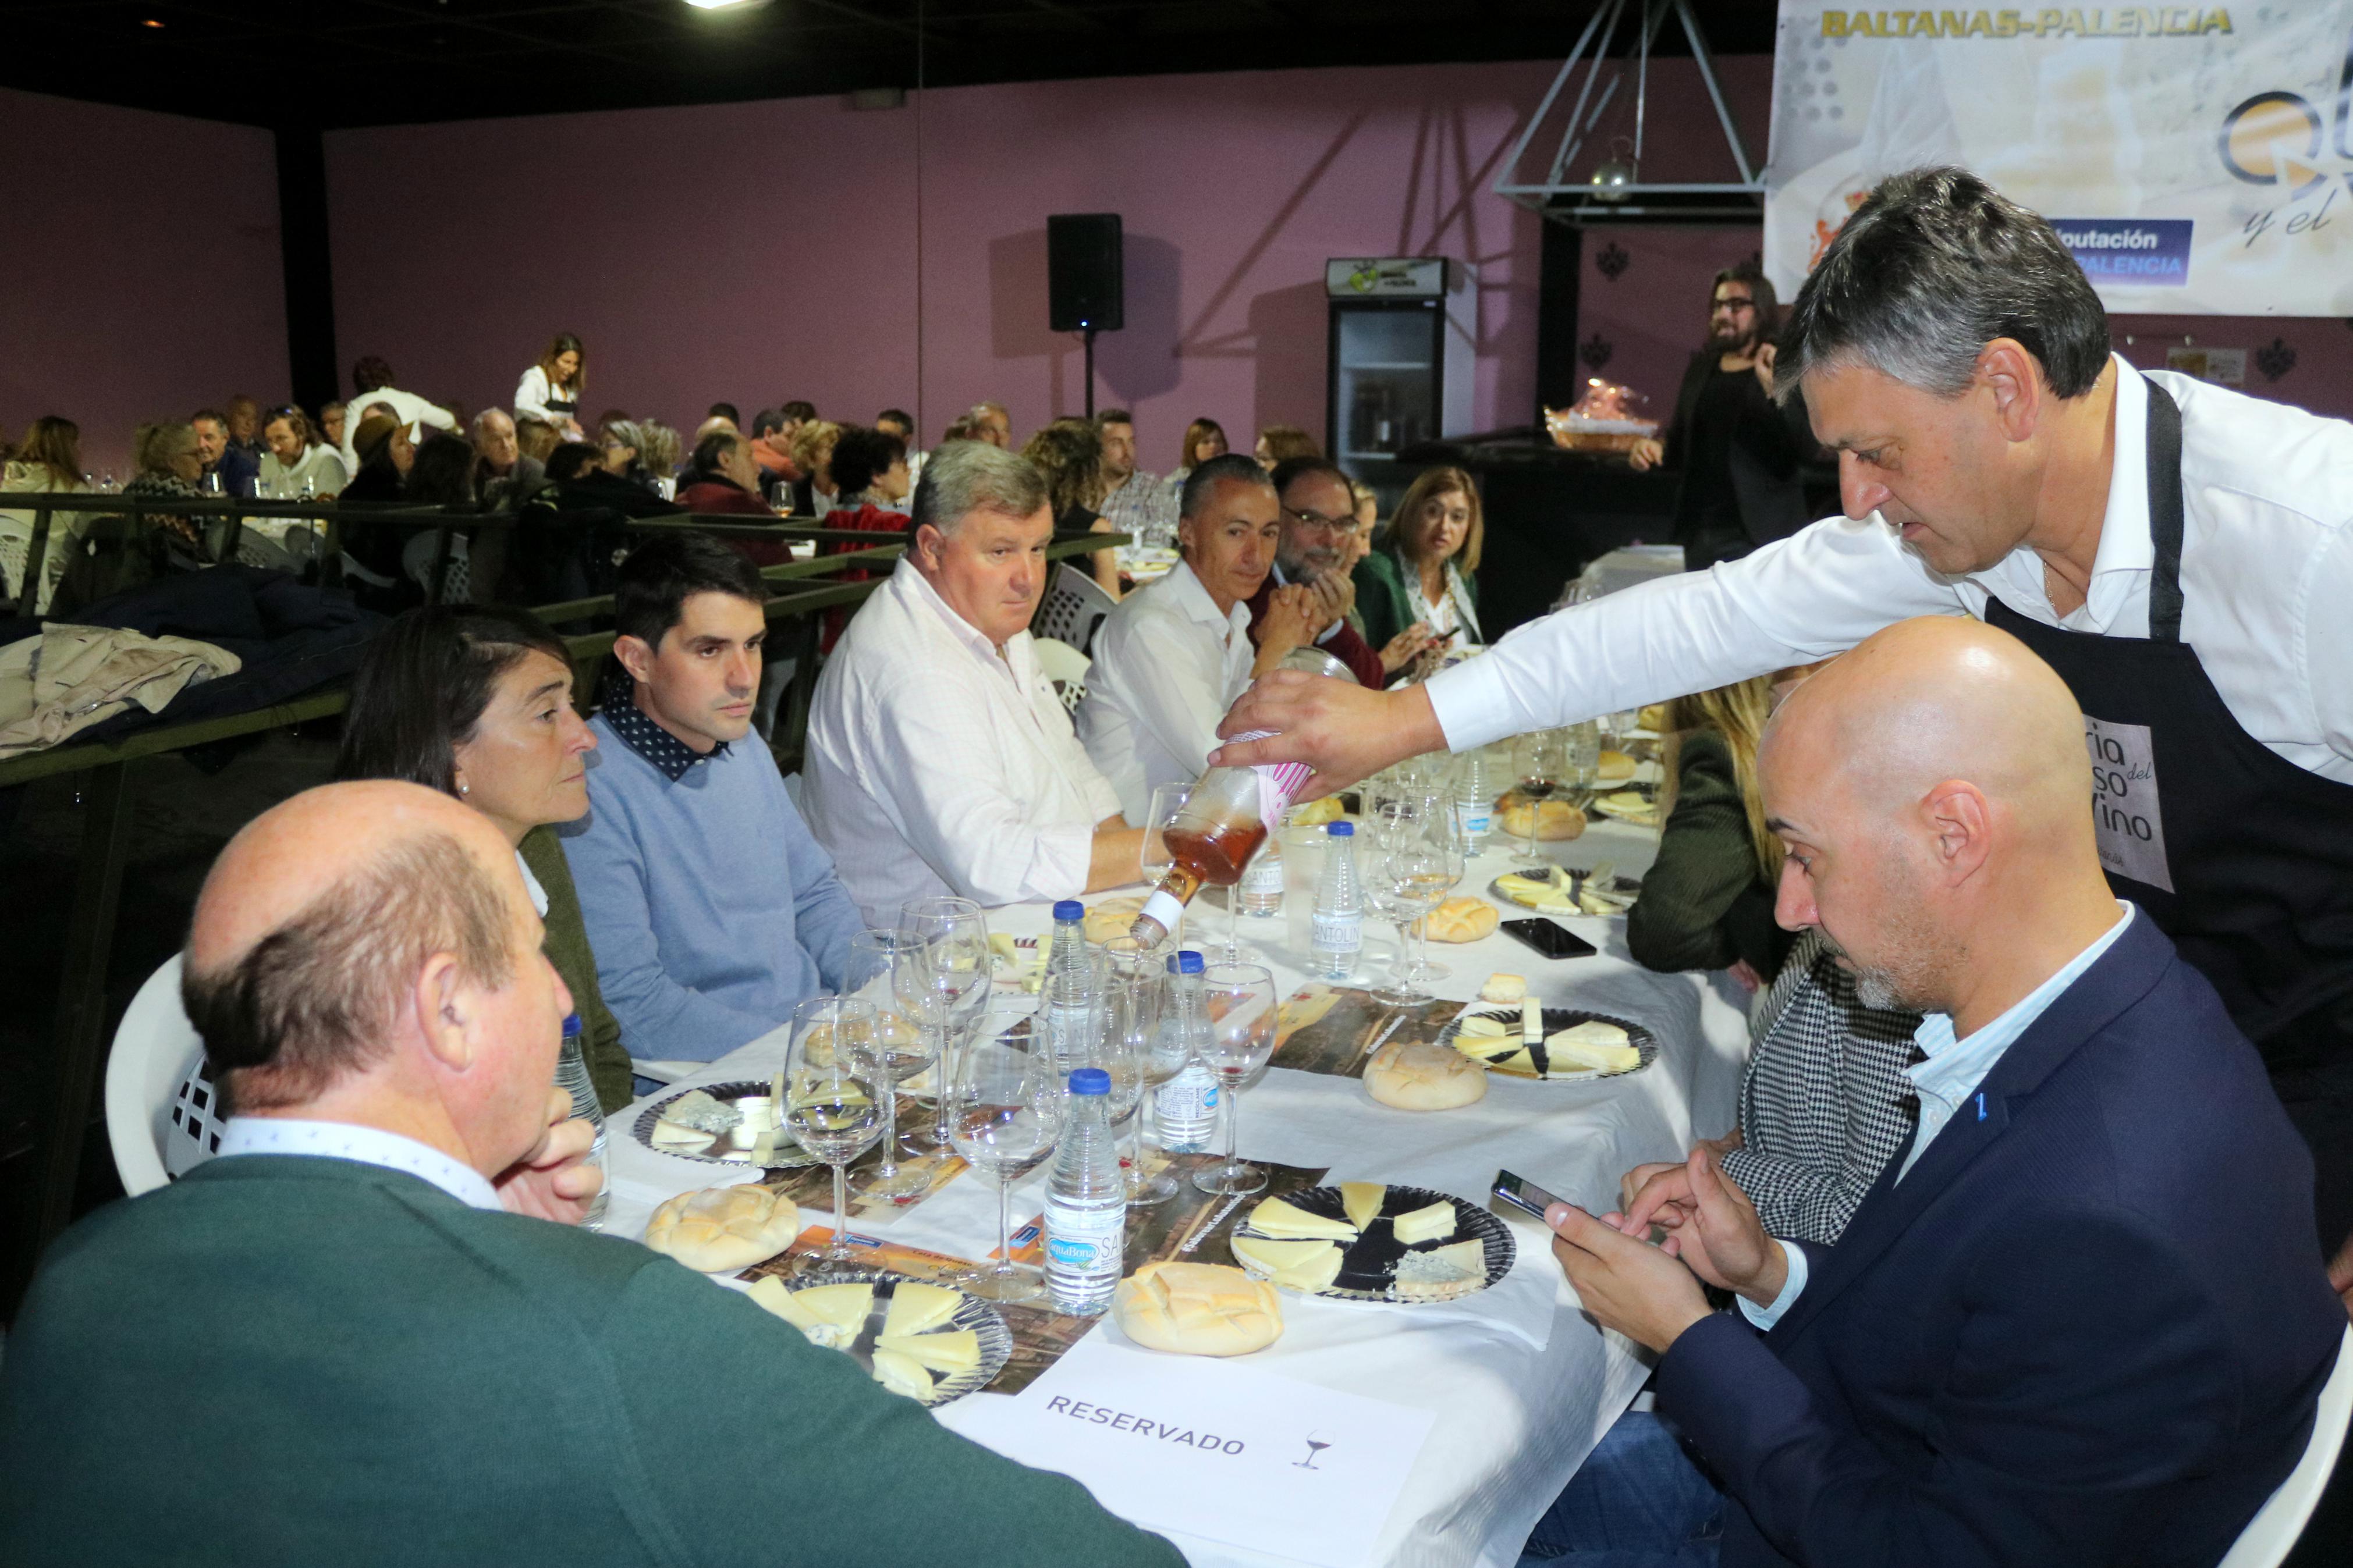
[1443, 1272]
[1425, 1224]
[697, 1110]
[902, 1373]
[1278, 1218]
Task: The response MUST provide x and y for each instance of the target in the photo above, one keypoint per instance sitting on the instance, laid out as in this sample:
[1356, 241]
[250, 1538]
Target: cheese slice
[676, 1135]
[1425, 1224]
[1531, 1019]
[1518, 1063]
[776, 1143]
[902, 1373]
[1482, 1026]
[770, 1293]
[1362, 1200]
[1443, 1272]
[1301, 1265]
[1602, 1047]
[844, 1306]
[915, 1306]
[947, 1353]
[1276, 1217]
[1521, 889]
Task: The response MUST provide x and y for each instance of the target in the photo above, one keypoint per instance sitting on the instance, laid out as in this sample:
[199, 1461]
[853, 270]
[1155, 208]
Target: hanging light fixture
[1614, 173]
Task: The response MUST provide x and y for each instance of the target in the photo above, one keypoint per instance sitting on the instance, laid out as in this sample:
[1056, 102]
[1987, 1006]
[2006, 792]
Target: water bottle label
[1085, 1239]
[1477, 817]
[1265, 875]
[1338, 934]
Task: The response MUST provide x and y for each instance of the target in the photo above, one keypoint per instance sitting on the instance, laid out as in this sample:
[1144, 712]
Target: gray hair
[1929, 269]
[966, 477]
[1228, 467]
[482, 422]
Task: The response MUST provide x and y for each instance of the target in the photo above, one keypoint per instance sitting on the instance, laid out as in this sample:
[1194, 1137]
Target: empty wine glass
[1240, 1001]
[832, 1095]
[1005, 1111]
[949, 986]
[1135, 988]
[1540, 759]
[1167, 801]
[1407, 879]
[904, 1047]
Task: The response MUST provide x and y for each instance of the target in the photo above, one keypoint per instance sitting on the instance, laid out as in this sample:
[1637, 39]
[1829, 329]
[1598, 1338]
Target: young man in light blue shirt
[712, 909]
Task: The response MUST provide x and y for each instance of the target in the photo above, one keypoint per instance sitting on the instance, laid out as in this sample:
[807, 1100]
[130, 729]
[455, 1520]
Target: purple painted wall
[755, 252]
[139, 276]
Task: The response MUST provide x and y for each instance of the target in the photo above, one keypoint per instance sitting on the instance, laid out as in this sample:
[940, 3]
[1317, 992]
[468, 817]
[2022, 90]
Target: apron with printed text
[2244, 858]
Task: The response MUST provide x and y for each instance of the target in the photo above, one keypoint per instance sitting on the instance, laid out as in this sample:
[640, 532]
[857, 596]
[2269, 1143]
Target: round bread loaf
[1555, 819]
[1111, 916]
[720, 1229]
[1614, 767]
[1198, 1309]
[1462, 919]
[1413, 1074]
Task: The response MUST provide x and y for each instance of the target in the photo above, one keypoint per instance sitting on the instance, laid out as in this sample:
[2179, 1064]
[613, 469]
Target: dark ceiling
[363, 62]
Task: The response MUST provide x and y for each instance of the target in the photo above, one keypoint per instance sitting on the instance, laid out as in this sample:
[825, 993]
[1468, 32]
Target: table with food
[1213, 1226]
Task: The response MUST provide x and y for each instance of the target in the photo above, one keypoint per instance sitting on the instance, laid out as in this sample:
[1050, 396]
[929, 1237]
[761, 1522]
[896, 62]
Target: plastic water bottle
[1339, 909]
[572, 1077]
[1069, 983]
[1261, 884]
[1086, 1203]
[1188, 1102]
[1474, 798]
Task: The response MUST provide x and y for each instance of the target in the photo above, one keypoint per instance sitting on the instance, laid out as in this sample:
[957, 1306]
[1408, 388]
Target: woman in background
[1708, 900]
[551, 389]
[1204, 439]
[1068, 452]
[815, 493]
[477, 703]
[49, 459]
[1278, 443]
[1428, 573]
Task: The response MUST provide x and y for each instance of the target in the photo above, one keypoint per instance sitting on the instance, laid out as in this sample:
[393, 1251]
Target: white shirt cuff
[1765, 1316]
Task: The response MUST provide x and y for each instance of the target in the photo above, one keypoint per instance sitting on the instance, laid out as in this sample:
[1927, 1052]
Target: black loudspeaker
[1085, 275]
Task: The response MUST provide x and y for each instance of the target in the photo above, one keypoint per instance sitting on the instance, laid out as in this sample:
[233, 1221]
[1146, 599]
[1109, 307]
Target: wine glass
[1240, 1001]
[1168, 802]
[831, 1094]
[1540, 758]
[950, 984]
[1005, 1112]
[904, 1047]
[1135, 993]
[1406, 880]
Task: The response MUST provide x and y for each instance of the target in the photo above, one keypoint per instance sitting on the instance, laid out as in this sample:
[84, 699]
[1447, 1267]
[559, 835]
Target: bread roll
[1316, 812]
[1555, 819]
[720, 1229]
[1111, 916]
[1413, 1076]
[1501, 987]
[1614, 766]
[1462, 919]
[1198, 1309]
[1652, 717]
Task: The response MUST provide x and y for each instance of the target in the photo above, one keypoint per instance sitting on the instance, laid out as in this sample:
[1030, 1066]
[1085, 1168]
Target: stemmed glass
[1408, 878]
[1240, 1001]
[1168, 802]
[1005, 1112]
[1135, 992]
[1541, 759]
[948, 985]
[904, 1047]
[831, 1091]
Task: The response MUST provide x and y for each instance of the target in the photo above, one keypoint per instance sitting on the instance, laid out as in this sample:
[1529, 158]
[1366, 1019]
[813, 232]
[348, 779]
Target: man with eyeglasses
[1316, 549]
[1738, 453]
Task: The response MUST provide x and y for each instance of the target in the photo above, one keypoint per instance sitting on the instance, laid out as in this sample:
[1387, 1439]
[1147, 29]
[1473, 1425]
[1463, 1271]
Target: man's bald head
[319, 916]
[1935, 794]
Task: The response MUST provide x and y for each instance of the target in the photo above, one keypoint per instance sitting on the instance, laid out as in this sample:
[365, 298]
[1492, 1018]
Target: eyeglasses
[1735, 305]
[1318, 520]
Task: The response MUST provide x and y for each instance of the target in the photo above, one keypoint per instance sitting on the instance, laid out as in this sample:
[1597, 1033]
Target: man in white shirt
[939, 758]
[1174, 654]
[2181, 554]
[2057, 1330]
[372, 379]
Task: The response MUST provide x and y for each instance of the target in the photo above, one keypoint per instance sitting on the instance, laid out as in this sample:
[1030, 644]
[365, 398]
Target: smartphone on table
[1550, 938]
[1523, 1194]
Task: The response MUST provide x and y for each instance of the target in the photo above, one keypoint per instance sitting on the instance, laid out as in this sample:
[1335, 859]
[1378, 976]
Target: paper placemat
[1334, 1030]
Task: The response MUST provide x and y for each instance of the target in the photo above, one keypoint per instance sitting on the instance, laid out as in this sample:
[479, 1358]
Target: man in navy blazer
[2081, 1319]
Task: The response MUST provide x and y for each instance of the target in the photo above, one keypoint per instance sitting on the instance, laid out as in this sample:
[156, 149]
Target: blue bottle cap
[1069, 909]
[571, 1025]
[1090, 1080]
[1342, 830]
[1172, 962]
[1191, 962]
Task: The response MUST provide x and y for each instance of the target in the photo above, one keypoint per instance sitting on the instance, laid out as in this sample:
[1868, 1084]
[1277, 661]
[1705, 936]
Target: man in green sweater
[357, 1337]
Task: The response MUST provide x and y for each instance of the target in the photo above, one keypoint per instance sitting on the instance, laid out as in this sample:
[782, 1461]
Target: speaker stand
[1091, 372]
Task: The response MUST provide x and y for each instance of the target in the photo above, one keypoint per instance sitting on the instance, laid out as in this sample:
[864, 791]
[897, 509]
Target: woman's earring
[464, 789]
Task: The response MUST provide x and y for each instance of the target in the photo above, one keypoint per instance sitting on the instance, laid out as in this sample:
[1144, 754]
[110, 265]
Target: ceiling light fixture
[719, 4]
[151, 22]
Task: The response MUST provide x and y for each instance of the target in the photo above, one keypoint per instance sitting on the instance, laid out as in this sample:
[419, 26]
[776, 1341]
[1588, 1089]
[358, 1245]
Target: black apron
[2244, 858]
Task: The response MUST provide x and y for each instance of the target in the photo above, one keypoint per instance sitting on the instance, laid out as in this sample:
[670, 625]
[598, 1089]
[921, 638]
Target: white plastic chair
[162, 1113]
[1066, 667]
[1074, 607]
[2271, 1535]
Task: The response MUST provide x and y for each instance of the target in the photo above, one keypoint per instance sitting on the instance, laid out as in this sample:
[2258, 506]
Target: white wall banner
[2197, 160]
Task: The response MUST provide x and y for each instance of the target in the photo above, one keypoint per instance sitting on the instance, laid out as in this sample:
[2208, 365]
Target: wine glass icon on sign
[1314, 1445]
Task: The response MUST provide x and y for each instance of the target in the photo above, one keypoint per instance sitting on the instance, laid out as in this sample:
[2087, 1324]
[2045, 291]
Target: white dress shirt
[368, 1145]
[936, 765]
[1945, 1082]
[1167, 667]
[2266, 583]
[411, 410]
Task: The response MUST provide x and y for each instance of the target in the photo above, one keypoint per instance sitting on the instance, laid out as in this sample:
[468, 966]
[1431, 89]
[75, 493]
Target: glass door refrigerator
[1403, 332]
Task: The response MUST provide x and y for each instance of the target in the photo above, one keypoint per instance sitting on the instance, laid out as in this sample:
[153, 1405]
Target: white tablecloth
[1522, 1385]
